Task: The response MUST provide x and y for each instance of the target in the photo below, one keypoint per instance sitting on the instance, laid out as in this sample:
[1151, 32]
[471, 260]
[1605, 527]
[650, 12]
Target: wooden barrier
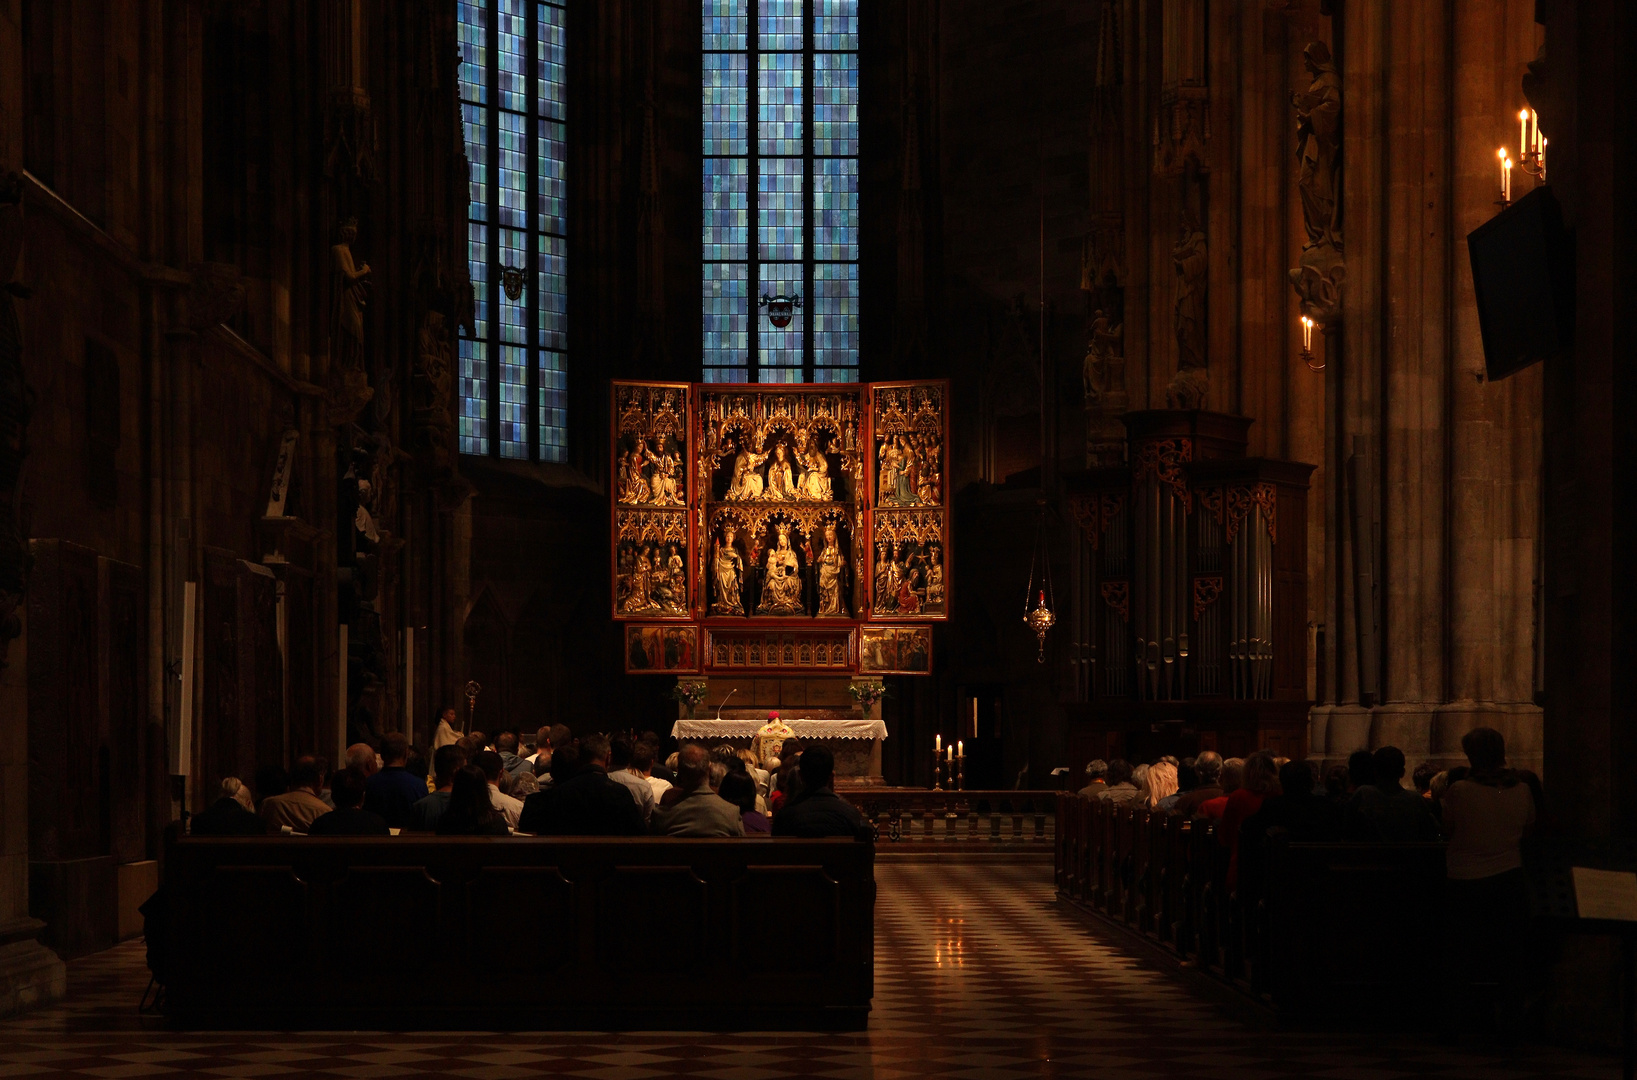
[924, 819]
[423, 932]
[1310, 944]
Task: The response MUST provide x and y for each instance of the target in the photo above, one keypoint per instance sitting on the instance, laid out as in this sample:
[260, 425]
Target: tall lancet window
[791, 257]
[513, 369]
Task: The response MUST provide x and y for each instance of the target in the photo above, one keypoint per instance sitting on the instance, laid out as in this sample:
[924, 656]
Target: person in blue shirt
[392, 791]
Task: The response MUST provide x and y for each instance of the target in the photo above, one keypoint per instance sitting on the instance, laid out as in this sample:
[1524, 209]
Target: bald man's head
[362, 756]
[692, 767]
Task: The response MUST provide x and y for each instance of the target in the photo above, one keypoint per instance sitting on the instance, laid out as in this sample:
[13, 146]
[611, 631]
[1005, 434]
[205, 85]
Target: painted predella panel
[651, 564]
[650, 444]
[662, 650]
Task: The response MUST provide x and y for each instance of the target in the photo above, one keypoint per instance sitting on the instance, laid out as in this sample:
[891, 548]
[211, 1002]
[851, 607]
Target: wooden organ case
[1192, 588]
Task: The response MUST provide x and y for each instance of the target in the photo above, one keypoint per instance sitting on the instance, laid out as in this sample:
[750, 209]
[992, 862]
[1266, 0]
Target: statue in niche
[781, 580]
[1319, 276]
[815, 483]
[349, 382]
[433, 386]
[665, 484]
[727, 569]
[746, 485]
[935, 580]
[1318, 144]
[1100, 358]
[639, 583]
[831, 562]
[781, 484]
[1189, 258]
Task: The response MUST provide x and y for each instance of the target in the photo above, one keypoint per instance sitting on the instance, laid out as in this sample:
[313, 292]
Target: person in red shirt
[1261, 780]
[1231, 776]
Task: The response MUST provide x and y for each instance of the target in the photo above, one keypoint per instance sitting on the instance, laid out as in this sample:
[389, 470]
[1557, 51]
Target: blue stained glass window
[799, 66]
[513, 364]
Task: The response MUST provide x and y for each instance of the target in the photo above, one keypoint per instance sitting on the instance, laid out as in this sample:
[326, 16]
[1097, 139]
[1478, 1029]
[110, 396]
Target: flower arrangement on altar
[867, 694]
[690, 692]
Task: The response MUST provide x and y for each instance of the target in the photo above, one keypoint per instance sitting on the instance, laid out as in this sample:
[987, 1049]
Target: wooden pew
[356, 932]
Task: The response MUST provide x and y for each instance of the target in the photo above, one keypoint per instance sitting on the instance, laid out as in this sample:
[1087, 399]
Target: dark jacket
[818, 813]
[391, 792]
[587, 804]
[350, 821]
[227, 818]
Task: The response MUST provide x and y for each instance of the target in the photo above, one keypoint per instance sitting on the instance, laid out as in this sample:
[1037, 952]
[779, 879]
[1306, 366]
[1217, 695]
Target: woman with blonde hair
[1162, 782]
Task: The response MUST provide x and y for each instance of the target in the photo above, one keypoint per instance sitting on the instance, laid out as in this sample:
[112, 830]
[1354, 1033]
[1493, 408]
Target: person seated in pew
[489, 762]
[697, 811]
[818, 810]
[506, 747]
[1207, 786]
[297, 808]
[229, 815]
[446, 762]
[1295, 812]
[589, 804]
[1385, 811]
[642, 764]
[1162, 782]
[740, 790]
[1261, 779]
[392, 791]
[349, 818]
[1120, 789]
[471, 811]
[1187, 780]
[1096, 778]
[1233, 773]
[620, 752]
[365, 757]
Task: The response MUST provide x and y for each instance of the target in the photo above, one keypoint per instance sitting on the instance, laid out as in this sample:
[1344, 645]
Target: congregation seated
[697, 809]
[349, 818]
[1207, 785]
[642, 764]
[506, 747]
[1119, 790]
[300, 806]
[1385, 811]
[425, 814]
[739, 790]
[818, 810]
[391, 792]
[232, 814]
[587, 804]
[471, 810]
[1233, 772]
[1096, 778]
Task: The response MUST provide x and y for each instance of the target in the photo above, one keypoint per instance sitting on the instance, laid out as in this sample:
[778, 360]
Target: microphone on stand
[724, 701]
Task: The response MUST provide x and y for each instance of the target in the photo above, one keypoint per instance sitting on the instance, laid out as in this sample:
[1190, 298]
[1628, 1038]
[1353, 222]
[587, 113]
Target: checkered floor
[978, 974]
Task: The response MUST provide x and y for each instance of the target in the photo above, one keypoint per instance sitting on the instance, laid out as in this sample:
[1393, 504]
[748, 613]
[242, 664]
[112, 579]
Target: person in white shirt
[620, 753]
[642, 764]
[447, 733]
[510, 808]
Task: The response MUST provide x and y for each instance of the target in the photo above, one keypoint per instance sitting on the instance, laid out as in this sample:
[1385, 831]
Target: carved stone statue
[1100, 357]
[781, 579]
[434, 385]
[1319, 277]
[349, 382]
[727, 568]
[1318, 144]
[1189, 258]
[831, 562]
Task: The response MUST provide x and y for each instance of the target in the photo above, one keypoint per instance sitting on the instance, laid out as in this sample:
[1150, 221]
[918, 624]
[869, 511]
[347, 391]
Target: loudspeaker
[1523, 277]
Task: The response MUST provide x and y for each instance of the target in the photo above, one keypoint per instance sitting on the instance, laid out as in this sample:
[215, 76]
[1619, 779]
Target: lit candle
[1523, 132]
[937, 744]
[960, 748]
[1307, 333]
[951, 753]
[1508, 175]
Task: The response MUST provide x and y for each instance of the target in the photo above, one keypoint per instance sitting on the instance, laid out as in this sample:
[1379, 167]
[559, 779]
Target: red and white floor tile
[978, 975]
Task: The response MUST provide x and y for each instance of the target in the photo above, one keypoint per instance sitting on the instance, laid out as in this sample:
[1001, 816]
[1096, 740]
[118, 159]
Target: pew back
[541, 932]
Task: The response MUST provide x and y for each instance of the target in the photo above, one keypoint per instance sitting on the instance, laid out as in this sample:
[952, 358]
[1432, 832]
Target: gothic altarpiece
[776, 520]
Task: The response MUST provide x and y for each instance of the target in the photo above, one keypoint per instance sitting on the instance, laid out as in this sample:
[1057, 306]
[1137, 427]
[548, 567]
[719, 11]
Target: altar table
[855, 743]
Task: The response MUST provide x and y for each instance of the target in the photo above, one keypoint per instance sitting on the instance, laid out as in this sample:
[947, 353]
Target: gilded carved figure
[781, 578]
[727, 572]
[832, 561]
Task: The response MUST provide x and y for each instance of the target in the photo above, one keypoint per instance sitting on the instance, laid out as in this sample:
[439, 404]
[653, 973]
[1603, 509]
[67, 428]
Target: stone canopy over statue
[746, 506]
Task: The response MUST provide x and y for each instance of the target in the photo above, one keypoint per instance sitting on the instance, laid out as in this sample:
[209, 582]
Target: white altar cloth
[712, 728]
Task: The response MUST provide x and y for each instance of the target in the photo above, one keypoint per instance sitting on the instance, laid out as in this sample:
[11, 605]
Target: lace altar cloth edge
[802, 729]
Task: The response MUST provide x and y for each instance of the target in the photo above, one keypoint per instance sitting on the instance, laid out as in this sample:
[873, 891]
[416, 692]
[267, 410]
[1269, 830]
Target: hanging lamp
[1040, 618]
